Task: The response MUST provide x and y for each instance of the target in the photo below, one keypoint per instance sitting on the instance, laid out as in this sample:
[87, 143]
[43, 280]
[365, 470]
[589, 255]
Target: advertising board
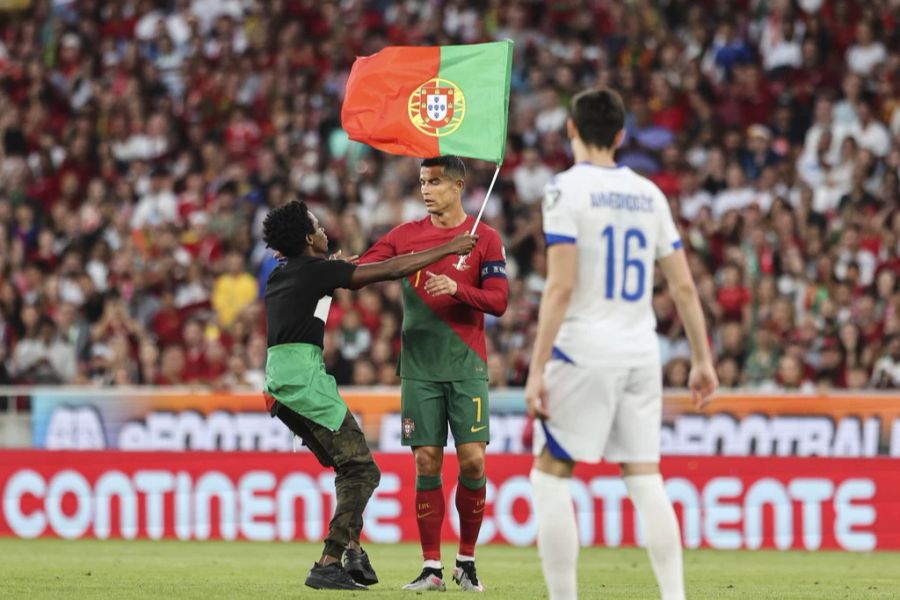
[722, 502]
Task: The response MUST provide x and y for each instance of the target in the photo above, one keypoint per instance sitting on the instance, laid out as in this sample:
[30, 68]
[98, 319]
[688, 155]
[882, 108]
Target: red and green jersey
[443, 336]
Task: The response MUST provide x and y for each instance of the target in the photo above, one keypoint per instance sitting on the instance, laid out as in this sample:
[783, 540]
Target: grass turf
[143, 569]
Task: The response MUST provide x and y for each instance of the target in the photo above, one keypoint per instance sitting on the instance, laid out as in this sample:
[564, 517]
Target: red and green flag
[428, 101]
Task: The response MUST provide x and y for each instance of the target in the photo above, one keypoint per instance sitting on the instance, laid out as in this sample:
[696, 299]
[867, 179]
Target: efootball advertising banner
[137, 420]
[839, 425]
[721, 502]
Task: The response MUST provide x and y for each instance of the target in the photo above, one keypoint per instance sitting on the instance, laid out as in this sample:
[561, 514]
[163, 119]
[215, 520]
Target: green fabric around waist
[296, 377]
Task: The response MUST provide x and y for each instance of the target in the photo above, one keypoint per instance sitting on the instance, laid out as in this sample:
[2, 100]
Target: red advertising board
[722, 502]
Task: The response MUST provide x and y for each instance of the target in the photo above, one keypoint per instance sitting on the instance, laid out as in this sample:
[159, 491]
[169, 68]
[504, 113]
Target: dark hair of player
[286, 227]
[599, 115]
[454, 167]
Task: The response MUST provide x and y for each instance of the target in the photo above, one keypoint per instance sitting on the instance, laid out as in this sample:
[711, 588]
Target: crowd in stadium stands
[144, 141]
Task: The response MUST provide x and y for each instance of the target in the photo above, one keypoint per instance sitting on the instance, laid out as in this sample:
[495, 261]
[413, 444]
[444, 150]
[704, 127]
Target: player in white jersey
[595, 383]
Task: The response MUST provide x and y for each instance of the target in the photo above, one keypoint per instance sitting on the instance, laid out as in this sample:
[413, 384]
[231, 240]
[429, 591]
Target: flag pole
[462, 259]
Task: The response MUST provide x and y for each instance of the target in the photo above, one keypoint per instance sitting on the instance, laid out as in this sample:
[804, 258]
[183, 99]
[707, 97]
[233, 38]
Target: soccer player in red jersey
[443, 363]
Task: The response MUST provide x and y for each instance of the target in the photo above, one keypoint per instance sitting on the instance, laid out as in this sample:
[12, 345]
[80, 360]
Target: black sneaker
[357, 565]
[331, 577]
[429, 580]
[464, 574]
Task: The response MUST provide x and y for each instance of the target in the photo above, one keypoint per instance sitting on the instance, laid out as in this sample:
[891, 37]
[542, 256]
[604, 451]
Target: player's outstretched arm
[400, 266]
[702, 380]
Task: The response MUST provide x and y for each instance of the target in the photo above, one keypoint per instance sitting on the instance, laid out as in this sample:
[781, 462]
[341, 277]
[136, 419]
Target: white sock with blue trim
[557, 534]
[661, 532]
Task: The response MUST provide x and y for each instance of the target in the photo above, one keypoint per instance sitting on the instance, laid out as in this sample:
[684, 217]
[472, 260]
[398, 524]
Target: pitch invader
[299, 391]
[595, 382]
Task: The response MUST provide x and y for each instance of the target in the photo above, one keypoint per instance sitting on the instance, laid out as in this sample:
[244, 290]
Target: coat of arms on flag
[437, 107]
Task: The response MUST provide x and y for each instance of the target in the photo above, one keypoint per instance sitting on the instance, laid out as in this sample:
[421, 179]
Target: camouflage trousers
[357, 475]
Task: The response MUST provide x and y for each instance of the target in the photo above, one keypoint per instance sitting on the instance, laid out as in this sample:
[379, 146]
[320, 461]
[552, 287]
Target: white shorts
[609, 413]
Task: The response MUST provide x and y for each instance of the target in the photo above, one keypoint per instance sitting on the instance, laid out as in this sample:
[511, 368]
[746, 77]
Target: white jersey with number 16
[621, 224]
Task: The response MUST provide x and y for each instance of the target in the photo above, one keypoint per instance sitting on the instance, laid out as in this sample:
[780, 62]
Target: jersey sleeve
[491, 295]
[667, 240]
[383, 249]
[331, 274]
[560, 223]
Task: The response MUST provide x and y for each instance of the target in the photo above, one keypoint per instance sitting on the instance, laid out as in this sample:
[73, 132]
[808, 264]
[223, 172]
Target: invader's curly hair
[286, 227]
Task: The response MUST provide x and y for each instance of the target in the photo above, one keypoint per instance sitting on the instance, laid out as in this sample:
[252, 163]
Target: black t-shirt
[298, 297]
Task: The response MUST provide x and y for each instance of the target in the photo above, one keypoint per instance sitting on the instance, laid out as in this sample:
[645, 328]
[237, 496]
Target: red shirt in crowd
[733, 300]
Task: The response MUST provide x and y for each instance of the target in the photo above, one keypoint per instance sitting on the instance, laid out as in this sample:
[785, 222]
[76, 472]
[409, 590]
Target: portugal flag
[428, 101]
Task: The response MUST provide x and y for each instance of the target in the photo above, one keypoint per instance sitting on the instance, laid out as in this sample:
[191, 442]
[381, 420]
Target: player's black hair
[454, 167]
[286, 227]
[599, 115]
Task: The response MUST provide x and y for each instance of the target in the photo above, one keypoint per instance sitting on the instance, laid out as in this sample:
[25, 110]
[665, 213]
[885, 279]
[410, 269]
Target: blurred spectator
[762, 363]
[844, 110]
[531, 176]
[733, 298]
[158, 206]
[142, 144]
[233, 290]
[167, 322]
[779, 45]
[353, 338]
[675, 374]
[728, 371]
[339, 367]
[497, 371]
[868, 132]
[194, 350]
[172, 367]
[364, 372]
[727, 50]
[216, 361]
[886, 374]
[867, 53]
[757, 155]
[791, 376]
[239, 377]
[42, 357]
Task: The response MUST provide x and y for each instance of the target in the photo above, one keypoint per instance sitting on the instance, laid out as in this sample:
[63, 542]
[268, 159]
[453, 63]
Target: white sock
[557, 534]
[432, 564]
[660, 531]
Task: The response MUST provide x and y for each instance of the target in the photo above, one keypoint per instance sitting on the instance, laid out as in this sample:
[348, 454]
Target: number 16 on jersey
[633, 269]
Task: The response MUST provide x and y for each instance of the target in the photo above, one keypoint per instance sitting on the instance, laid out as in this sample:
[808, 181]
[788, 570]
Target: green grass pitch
[144, 569]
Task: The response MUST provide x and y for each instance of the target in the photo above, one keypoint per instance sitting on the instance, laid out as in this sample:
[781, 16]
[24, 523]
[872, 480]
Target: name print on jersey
[620, 201]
